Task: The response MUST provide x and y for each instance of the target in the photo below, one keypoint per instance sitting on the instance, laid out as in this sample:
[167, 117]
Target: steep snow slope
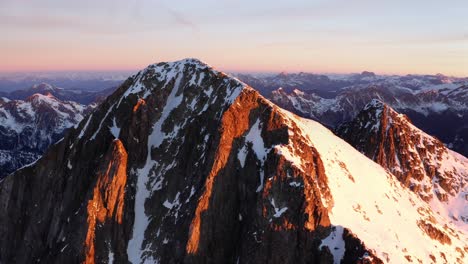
[385, 215]
[421, 162]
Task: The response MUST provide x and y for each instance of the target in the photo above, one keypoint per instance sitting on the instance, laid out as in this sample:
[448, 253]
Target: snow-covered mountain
[76, 95]
[28, 127]
[350, 101]
[185, 164]
[328, 86]
[421, 162]
[85, 81]
[441, 112]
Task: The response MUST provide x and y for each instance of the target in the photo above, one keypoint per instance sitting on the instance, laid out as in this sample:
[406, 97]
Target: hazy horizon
[132, 71]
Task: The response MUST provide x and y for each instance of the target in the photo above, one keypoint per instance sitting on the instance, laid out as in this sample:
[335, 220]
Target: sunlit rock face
[184, 164]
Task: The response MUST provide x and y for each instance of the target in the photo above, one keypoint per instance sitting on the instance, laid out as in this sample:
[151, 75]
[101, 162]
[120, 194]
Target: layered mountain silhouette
[440, 109]
[80, 96]
[185, 164]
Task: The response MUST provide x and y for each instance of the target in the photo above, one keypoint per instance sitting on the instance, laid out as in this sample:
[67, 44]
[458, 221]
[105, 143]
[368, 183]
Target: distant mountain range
[76, 95]
[436, 103]
[185, 164]
[32, 119]
[28, 127]
[328, 86]
[84, 81]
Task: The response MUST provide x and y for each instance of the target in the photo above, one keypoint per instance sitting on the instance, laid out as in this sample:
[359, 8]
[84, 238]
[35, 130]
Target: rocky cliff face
[419, 161]
[28, 127]
[184, 164]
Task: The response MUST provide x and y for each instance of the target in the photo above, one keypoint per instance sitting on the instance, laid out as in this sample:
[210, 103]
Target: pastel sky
[386, 36]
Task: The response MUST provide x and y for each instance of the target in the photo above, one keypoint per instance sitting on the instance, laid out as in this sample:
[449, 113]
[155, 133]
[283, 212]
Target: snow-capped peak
[37, 97]
[420, 161]
[44, 87]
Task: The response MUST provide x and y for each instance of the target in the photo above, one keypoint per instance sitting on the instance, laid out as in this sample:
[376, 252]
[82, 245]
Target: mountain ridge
[211, 171]
[28, 127]
[421, 162]
[442, 113]
[80, 96]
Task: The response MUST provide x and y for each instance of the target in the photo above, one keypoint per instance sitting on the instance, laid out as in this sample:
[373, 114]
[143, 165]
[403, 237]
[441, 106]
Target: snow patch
[102, 121]
[278, 211]
[114, 129]
[335, 244]
[110, 257]
[254, 136]
[242, 155]
[85, 127]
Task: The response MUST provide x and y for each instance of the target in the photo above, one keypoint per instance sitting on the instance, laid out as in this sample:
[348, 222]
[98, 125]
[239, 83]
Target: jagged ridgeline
[184, 164]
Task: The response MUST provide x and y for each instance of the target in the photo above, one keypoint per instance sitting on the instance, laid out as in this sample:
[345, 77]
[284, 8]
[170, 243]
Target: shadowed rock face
[172, 172]
[182, 164]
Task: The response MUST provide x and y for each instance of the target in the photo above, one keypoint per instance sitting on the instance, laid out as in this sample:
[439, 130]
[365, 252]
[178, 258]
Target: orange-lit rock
[138, 104]
[107, 203]
[234, 123]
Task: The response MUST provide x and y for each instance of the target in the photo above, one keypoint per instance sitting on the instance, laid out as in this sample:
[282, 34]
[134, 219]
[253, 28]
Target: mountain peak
[420, 161]
[182, 63]
[283, 74]
[381, 113]
[43, 87]
[367, 74]
[178, 76]
[42, 98]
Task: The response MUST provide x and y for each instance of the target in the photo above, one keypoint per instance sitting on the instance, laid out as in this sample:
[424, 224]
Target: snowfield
[374, 205]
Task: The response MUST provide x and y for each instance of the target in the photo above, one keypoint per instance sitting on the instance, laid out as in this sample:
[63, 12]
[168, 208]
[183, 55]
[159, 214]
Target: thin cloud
[55, 23]
[38, 21]
[181, 19]
[117, 19]
[76, 24]
[418, 40]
